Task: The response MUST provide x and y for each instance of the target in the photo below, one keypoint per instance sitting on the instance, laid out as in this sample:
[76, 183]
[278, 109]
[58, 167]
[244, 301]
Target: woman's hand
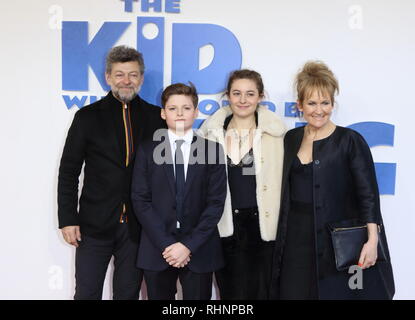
[369, 253]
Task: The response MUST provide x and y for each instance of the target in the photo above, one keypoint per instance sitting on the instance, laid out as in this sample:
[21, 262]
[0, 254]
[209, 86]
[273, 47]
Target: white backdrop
[369, 44]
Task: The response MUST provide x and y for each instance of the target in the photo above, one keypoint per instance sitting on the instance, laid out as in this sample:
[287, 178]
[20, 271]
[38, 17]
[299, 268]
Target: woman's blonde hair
[315, 76]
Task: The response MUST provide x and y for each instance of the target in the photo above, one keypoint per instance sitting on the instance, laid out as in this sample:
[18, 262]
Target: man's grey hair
[123, 54]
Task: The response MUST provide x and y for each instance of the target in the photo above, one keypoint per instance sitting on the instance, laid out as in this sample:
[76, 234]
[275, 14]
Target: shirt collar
[188, 137]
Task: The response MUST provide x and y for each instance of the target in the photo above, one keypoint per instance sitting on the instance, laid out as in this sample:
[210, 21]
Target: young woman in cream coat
[252, 137]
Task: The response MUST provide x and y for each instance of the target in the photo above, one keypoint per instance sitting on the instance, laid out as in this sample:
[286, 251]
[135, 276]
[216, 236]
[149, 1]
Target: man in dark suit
[178, 195]
[104, 137]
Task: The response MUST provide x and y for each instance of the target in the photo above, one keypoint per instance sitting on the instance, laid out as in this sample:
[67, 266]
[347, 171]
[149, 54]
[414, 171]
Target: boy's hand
[177, 255]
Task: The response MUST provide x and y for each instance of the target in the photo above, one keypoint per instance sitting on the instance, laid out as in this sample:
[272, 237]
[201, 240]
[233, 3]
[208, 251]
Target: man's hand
[177, 255]
[72, 235]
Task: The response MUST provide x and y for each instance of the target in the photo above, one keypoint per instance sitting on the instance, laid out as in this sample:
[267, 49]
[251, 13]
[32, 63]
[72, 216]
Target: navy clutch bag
[348, 238]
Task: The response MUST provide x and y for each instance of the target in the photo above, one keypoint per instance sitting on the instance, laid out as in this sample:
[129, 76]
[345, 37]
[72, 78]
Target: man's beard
[125, 97]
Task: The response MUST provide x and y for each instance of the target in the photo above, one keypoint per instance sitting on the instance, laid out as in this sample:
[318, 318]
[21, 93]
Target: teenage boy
[178, 195]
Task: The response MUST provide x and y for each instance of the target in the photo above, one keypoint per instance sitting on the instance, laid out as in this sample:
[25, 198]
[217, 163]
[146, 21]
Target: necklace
[239, 137]
[314, 138]
[309, 133]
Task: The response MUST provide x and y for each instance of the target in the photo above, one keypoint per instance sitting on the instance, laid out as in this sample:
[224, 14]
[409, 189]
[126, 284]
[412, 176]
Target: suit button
[317, 186]
[318, 207]
[236, 211]
[262, 159]
[267, 214]
[265, 188]
[317, 162]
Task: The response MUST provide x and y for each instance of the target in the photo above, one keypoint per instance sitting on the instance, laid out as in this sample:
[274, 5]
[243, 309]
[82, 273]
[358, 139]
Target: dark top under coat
[241, 177]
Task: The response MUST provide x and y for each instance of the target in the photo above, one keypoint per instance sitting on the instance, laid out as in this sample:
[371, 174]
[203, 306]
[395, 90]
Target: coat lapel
[292, 147]
[296, 143]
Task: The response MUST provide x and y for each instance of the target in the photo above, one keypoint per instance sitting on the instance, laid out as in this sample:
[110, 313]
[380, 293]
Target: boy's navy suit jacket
[154, 202]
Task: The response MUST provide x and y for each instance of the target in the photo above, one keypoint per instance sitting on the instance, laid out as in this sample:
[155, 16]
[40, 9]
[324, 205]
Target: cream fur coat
[268, 149]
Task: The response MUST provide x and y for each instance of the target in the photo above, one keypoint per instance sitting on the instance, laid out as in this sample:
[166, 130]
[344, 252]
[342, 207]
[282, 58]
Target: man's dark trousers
[92, 258]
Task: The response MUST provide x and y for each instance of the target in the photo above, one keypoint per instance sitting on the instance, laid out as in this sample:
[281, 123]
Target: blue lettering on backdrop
[79, 102]
[171, 6]
[146, 5]
[291, 110]
[270, 105]
[128, 5]
[153, 54]
[93, 99]
[78, 53]
[205, 109]
[376, 134]
[198, 123]
[70, 102]
[188, 39]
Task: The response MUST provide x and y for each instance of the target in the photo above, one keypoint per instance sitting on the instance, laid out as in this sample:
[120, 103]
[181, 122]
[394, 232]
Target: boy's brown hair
[180, 89]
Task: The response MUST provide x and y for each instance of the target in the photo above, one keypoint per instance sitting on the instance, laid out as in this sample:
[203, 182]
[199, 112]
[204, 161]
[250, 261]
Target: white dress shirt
[188, 138]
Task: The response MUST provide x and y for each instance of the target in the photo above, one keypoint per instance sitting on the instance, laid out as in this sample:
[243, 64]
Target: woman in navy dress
[328, 176]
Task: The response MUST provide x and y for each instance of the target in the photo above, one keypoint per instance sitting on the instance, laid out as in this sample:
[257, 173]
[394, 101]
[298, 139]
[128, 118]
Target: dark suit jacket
[154, 202]
[345, 187]
[96, 138]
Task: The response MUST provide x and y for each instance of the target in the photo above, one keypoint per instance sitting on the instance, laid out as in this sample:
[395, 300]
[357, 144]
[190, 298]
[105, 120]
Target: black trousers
[248, 260]
[91, 263]
[161, 285]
